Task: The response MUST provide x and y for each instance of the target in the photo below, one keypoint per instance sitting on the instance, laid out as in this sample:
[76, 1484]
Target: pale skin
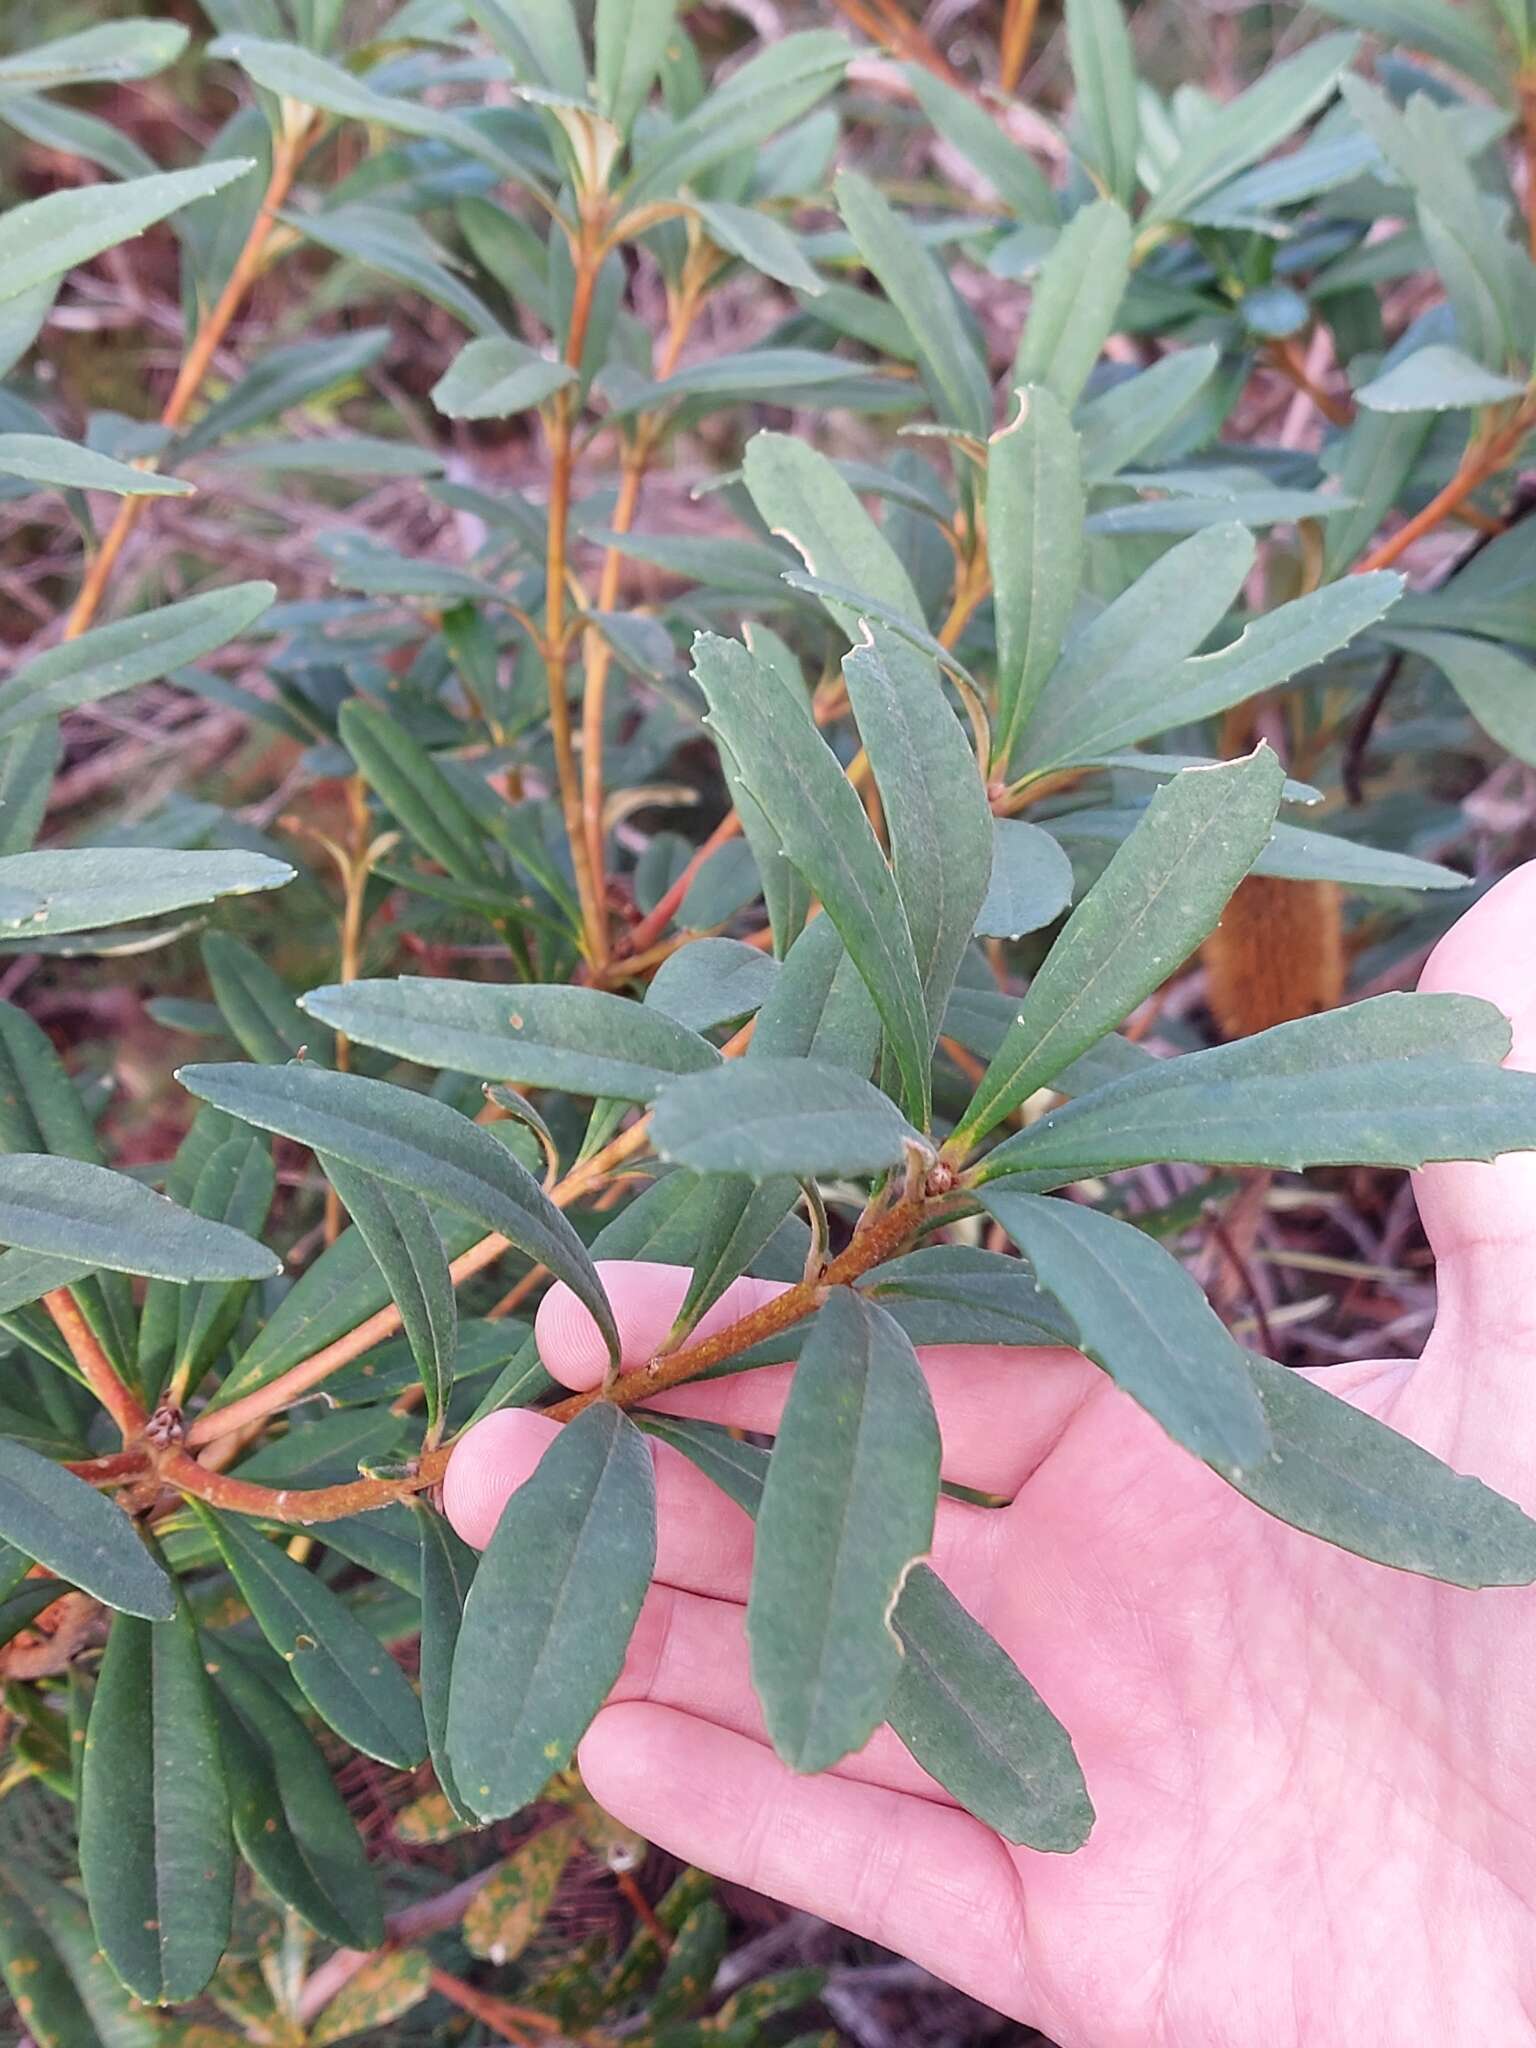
[1315, 1778]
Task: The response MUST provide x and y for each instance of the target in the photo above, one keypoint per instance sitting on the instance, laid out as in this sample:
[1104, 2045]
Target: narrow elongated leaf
[43, 459]
[1497, 687]
[973, 1720]
[1343, 1476]
[630, 40]
[920, 292]
[28, 762]
[1104, 72]
[114, 2017]
[509, 1911]
[1395, 1081]
[1161, 894]
[774, 88]
[389, 1985]
[110, 53]
[1292, 854]
[847, 1509]
[414, 1142]
[577, 1039]
[1437, 378]
[819, 1008]
[341, 1667]
[712, 982]
[263, 1017]
[155, 1848]
[763, 1117]
[540, 37]
[398, 1229]
[83, 888]
[1076, 298]
[1031, 881]
[970, 128]
[72, 1210]
[1435, 26]
[551, 1611]
[447, 1572]
[291, 1823]
[234, 1186]
[802, 498]
[417, 791]
[283, 378]
[41, 1988]
[794, 776]
[48, 237]
[495, 377]
[79, 1534]
[1121, 423]
[761, 241]
[1035, 509]
[1142, 1318]
[959, 1294]
[937, 815]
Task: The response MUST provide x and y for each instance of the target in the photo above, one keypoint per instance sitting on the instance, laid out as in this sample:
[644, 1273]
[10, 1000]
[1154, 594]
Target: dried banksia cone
[1278, 953]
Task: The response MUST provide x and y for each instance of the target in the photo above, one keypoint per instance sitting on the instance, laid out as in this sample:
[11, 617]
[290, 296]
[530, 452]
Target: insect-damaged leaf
[551, 1611]
[508, 1912]
[847, 1508]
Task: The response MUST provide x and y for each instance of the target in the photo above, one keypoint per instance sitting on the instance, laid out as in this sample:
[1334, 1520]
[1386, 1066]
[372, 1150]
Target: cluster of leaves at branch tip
[963, 729]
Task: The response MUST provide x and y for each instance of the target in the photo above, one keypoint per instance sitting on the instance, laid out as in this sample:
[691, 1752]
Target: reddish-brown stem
[1482, 460]
[643, 1910]
[656, 920]
[1018, 34]
[287, 155]
[1287, 357]
[96, 1369]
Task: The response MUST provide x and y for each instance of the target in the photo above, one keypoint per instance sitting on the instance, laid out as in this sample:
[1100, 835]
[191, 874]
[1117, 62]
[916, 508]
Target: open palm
[1314, 1777]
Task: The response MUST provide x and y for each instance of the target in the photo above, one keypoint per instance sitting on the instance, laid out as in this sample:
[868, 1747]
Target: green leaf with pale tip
[973, 1720]
[85, 888]
[1342, 1475]
[447, 1573]
[508, 1911]
[1398, 1080]
[66, 466]
[769, 1116]
[70, 1209]
[414, 1142]
[341, 1667]
[551, 1611]
[1161, 894]
[1142, 1318]
[581, 1040]
[494, 378]
[971, 128]
[1031, 881]
[1035, 508]
[938, 821]
[48, 237]
[796, 779]
[398, 1229]
[1074, 303]
[847, 1509]
[291, 1823]
[79, 1534]
[155, 1847]
[912, 280]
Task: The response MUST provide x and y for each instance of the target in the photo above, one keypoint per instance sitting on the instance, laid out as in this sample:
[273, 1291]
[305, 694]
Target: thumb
[1478, 1216]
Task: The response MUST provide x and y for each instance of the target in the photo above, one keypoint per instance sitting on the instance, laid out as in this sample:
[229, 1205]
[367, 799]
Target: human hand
[1314, 1777]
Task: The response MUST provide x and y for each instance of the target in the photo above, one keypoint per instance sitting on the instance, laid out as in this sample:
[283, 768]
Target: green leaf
[291, 1823]
[920, 292]
[762, 374]
[128, 652]
[1161, 894]
[847, 1509]
[332, 455]
[795, 778]
[494, 378]
[759, 240]
[770, 91]
[1035, 508]
[738, 1218]
[226, 1174]
[1075, 301]
[1257, 121]
[412, 786]
[712, 982]
[1031, 881]
[1435, 26]
[1394, 1081]
[580, 1040]
[541, 39]
[111, 53]
[630, 39]
[1121, 423]
[1291, 854]
[1342, 1475]
[266, 1022]
[111, 2016]
[70, 1209]
[959, 1294]
[1104, 73]
[937, 816]
[972, 1719]
[414, 1142]
[1497, 687]
[44, 459]
[28, 763]
[971, 129]
[41, 1988]
[50, 236]
[819, 1008]
[447, 1572]
[284, 378]
[79, 1534]
[507, 1912]
[397, 1227]
[801, 497]
[340, 1666]
[762, 1117]
[389, 1985]
[551, 1611]
[84, 888]
[155, 1848]
[1142, 1318]
[1437, 378]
